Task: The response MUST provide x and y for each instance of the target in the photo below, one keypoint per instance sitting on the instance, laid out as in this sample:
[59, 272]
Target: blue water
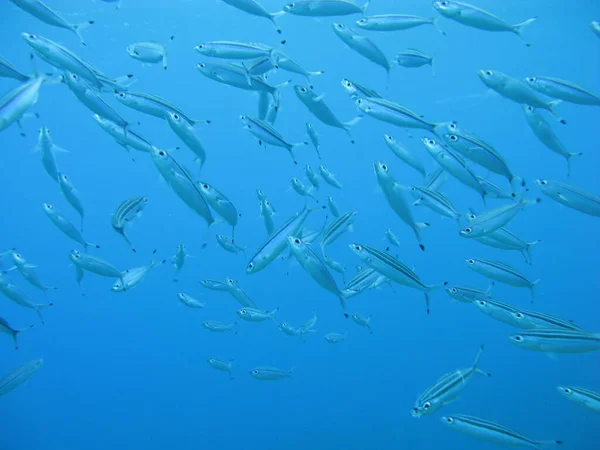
[129, 370]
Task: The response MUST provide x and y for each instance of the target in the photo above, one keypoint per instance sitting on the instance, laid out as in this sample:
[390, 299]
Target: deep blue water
[129, 370]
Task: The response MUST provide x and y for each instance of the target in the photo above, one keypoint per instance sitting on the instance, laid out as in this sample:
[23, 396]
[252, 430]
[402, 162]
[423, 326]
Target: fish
[219, 364]
[595, 27]
[41, 11]
[238, 294]
[266, 211]
[325, 8]
[454, 165]
[316, 268]
[64, 225]
[435, 180]
[321, 111]
[336, 266]
[332, 205]
[132, 277]
[492, 432]
[434, 200]
[124, 136]
[186, 132]
[277, 242]
[256, 315]
[563, 90]
[404, 154]
[15, 103]
[356, 90]
[337, 228]
[362, 321]
[502, 273]
[414, 58]
[478, 18]
[393, 269]
[329, 178]
[301, 189]
[190, 301]
[314, 138]
[218, 327]
[396, 22]
[153, 105]
[518, 91]
[467, 294]
[312, 176]
[392, 238]
[581, 396]
[284, 62]
[149, 52]
[554, 340]
[215, 285]
[268, 107]
[506, 240]
[289, 329]
[230, 244]
[270, 373]
[309, 325]
[534, 320]
[446, 389]
[267, 134]
[6, 328]
[28, 272]
[362, 45]
[493, 219]
[179, 260]
[395, 196]
[335, 338]
[492, 190]
[71, 194]
[544, 132]
[235, 50]
[7, 70]
[254, 8]
[126, 213]
[19, 375]
[220, 203]
[500, 311]
[386, 111]
[93, 264]
[572, 196]
[18, 296]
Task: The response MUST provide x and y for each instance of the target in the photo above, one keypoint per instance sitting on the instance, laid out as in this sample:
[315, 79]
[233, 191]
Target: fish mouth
[481, 74]
[416, 413]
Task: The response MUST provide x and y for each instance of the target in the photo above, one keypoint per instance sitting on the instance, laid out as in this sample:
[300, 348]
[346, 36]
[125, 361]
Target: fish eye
[362, 21]
[202, 65]
[519, 315]
[205, 186]
[454, 290]
[200, 46]
[426, 406]
[176, 116]
[468, 230]
[489, 73]
[303, 90]
[530, 108]
[472, 216]
[255, 372]
[471, 261]
[568, 391]
[74, 76]
[291, 5]
[122, 94]
[384, 167]
[531, 79]
[296, 241]
[449, 419]
[251, 266]
[453, 137]
[18, 255]
[452, 126]
[32, 36]
[243, 311]
[519, 338]
[162, 153]
[359, 101]
[482, 302]
[431, 142]
[544, 182]
[357, 247]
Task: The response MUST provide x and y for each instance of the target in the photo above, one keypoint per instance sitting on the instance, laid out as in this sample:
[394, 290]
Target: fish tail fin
[490, 287]
[527, 250]
[544, 444]
[436, 24]
[569, 158]
[432, 64]
[125, 81]
[17, 332]
[531, 288]
[475, 368]
[77, 28]
[164, 61]
[273, 17]
[518, 29]
[351, 123]
[552, 107]
[417, 229]
[427, 302]
[364, 7]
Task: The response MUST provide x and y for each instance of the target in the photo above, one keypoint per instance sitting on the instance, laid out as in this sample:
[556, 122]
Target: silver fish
[218, 327]
[314, 138]
[414, 58]
[266, 211]
[284, 62]
[329, 178]
[238, 294]
[234, 50]
[71, 194]
[125, 213]
[132, 277]
[325, 8]
[396, 22]
[6, 328]
[230, 244]
[219, 364]
[312, 176]
[18, 296]
[28, 272]
[265, 132]
[392, 238]
[469, 295]
[332, 205]
[534, 320]
[153, 105]
[215, 285]
[335, 338]
[256, 315]
[270, 373]
[404, 154]
[301, 189]
[502, 273]
[254, 8]
[179, 260]
[362, 45]
[557, 341]
[19, 375]
[123, 136]
[500, 311]
[434, 200]
[186, 132]
[7, 70]
[507, 240]
[220, 203]
[93, 264]
[563, 90]
[337, 228]
[149, 52]
[15, 103]
[362, 321]
[595, 27]
[386, 111]
[356, 90]
[493, 219]
[63, 224]
[190, 301]
[571, 196]
[581, 396]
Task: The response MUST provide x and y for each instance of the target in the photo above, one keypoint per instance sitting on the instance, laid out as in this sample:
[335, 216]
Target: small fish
[234, 50]
[557, 341]
[335, 338]
[502, 273]
[6, 328]
[179, 260]
[219, 364]
[301, 189]
[71, 194]
[314, 138]
[469, 295]
[28, 271]
[254, 8]
[153, 105]
[571, 196]
[396, 22]
[414, 58]
[63, 224]
[289, 329]
[215, 285]
[337, 228]
[312, 176]
[126, 213]
[492, 190]
[268, 107]
[218, 327]
[44, 13]
[190, 301]
[149, 52]
[507, 240]
[93, 264]
[123, 136]
[362, 45]
[15, 103]
[256, 315]
[19, 375]
[132, 277]
[392, 238]
[309, 326]
[543, 131]
[186, 132]
[386, 111]
[335, 266]
[267, 134]
[500, 311]
[267, 212]
[329, 178]
[363, 321]
[434, 200]
[321, 111]
[490, 431]
[517, 90]
[435, 180]
[595, 27]
[220, 203]
[446, 389]
[332, 205]
[270, 373]
[284, 62]
[493, 219]
[477, 18]
[230, 244]
[563, 90]
[18, 296]
[7, 70]
[533, 320]
[584, 397]
[325, 8]
[405, 155]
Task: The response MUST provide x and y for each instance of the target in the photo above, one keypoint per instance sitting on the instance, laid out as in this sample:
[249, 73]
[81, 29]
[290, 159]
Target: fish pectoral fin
[58, 149]
[30, 266]
[562, 197]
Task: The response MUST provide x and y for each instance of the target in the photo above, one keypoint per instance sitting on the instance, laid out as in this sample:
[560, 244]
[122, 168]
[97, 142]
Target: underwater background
[129, 370]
